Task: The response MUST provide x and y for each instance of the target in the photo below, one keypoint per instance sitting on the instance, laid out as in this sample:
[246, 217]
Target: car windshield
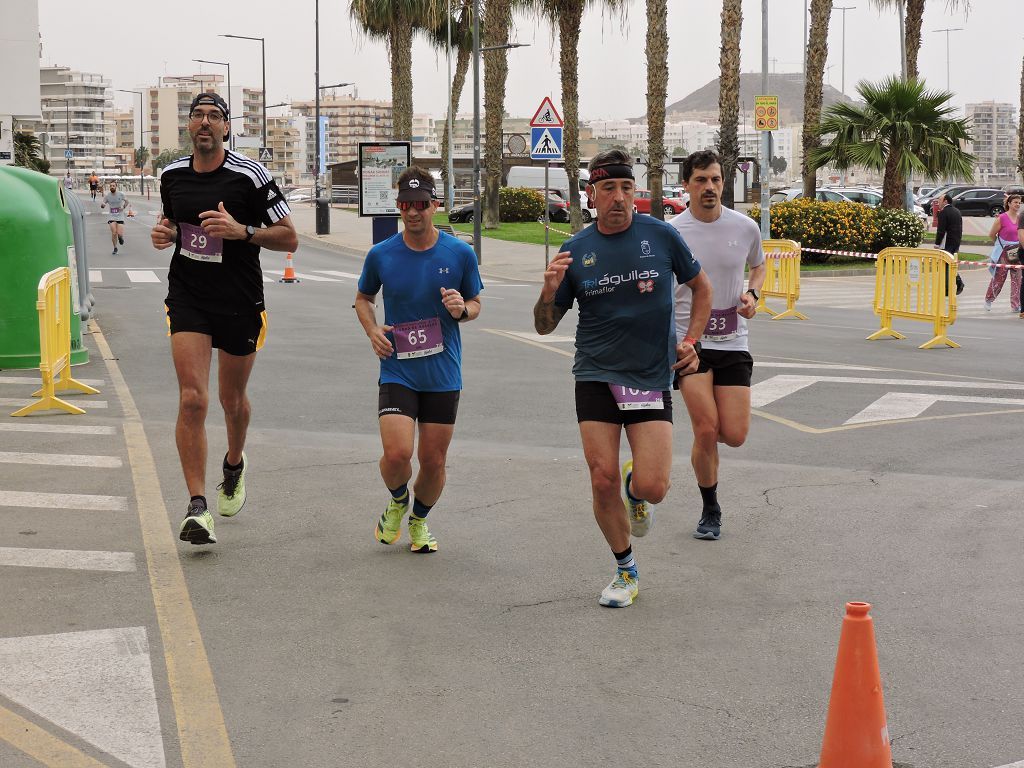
[778, 197]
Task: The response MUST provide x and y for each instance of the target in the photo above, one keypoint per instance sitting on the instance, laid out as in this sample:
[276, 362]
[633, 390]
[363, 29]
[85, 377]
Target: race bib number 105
[196, 244]
[631, 399]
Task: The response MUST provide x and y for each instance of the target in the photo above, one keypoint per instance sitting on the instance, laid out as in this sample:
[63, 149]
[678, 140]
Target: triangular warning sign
[546, 145]
[546, 114]
[96, 684]
[266, 155]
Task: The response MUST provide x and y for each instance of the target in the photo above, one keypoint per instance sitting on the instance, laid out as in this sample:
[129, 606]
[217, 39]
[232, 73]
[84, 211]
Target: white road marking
[336, 273]
[68, 559]
[510, 285]
[142, 276]
[35, 379]
[85, 402]
[770, 390]
[59, 429]
[908, 405]
[95, 276]
[302, 276]
[87, 501]
[551, 338]
[815, 366]
[1018, 764]
[96, 684]
[60, 460]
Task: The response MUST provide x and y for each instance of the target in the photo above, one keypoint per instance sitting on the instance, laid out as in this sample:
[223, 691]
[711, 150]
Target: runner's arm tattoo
[546, 315]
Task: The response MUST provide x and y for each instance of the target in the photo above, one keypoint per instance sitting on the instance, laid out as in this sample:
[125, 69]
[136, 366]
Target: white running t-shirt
[724, 248]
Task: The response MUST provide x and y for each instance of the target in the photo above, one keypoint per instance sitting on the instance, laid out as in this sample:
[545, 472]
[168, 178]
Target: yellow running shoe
[389, 527]
[641, 513]
[422, 541]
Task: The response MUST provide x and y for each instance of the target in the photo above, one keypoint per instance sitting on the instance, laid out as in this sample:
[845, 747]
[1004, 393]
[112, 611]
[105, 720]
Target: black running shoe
[710, 525]
[120, 240]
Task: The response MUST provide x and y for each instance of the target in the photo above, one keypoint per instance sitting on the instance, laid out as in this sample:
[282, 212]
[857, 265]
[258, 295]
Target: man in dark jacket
[950, 229]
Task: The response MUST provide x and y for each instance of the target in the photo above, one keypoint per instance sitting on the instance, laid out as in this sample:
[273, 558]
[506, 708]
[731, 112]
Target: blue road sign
[546, 142]
[69, 154]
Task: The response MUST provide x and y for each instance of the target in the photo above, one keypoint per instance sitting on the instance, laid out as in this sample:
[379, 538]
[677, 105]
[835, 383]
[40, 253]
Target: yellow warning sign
[766, 113]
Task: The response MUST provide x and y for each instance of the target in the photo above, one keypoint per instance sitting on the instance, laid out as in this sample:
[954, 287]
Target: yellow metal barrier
[782, 277]
[918, 284]
[54, 305]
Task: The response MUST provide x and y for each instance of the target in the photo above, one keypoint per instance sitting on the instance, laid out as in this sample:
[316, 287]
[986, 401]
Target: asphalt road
[874, 471]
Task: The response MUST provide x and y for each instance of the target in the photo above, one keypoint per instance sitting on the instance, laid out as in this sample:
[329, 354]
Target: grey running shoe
[710, 525]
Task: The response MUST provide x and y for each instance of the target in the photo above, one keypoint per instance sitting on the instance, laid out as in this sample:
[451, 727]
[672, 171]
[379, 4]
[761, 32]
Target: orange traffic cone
[856, 734]
[289, 271]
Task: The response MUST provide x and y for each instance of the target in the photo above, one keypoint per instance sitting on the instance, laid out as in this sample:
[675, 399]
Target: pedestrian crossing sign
[266, 154]
[546, 143]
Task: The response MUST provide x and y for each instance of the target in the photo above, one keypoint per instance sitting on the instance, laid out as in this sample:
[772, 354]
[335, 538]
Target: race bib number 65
[420, 338]
[196, 244]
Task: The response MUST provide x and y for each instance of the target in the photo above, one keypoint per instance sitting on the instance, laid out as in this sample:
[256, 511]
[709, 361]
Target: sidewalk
[352, 235]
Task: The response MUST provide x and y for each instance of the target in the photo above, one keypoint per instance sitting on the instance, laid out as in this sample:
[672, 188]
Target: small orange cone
[856, 734]
[289, 271]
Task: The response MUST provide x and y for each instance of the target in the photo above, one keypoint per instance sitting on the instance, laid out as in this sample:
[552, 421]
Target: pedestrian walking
[1003, 255]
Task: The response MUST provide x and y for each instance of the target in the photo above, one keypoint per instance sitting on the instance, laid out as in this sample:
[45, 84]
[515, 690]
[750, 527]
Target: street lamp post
[231, 137]
[947, 31]
[142, 176]
[67, 128]
[323, 213]
[263, 55]
[766, 137]
[844, 9]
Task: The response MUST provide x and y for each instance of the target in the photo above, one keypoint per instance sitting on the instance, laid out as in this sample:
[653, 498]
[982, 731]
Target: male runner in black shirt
[219, 209]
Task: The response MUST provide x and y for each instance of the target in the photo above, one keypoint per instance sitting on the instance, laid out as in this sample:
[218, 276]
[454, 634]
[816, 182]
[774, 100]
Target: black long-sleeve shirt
[951, 227]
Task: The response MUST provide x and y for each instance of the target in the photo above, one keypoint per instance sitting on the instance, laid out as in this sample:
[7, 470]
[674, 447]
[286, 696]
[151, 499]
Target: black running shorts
[594, 402]
[424, 407]
[235, 334]
[729, 368]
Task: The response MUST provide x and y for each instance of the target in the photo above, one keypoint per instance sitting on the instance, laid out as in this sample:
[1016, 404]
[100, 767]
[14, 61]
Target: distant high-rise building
[350, 121]
[994, 127]
[76, 110]
[286, 136]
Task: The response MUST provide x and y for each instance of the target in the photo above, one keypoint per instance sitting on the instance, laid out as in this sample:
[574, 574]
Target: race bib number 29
[196, 244]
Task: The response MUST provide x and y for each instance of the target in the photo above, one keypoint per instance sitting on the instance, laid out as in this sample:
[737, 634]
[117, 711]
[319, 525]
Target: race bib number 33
[722, 325]
[419, 338]
[196, 244]
[631, 399]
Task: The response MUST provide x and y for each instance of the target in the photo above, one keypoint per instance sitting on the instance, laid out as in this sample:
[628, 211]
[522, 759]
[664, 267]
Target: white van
[532, 177]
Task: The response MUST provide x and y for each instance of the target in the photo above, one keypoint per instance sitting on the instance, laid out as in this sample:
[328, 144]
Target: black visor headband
[611, 171]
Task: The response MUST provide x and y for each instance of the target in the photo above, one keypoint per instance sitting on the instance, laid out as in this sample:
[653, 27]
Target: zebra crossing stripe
[60, 460]
[68, 559]
[86, 403]
[86, 501]
[142, 276]
[58, 429]
[95, 276]
[35, 380]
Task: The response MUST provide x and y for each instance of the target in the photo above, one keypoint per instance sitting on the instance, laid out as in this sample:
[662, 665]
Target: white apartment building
[76, 111]
[426, 136]
[994, 127]
[350, 121]
[286, 136]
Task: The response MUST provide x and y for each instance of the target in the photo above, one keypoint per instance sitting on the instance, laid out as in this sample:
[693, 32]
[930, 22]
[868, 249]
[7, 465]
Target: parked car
[952, 189]
[980, 202]
[795, 193]
[299, 196]
[558, 211]
[670, 205]
[676, 192]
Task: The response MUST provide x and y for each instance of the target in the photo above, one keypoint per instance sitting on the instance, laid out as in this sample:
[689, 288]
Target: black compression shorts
[424, 407]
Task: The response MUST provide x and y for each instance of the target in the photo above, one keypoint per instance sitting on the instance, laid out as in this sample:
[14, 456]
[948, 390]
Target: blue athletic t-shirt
[623, 283]
[412, 283]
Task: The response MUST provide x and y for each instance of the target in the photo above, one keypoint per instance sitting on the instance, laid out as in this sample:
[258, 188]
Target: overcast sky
[134, 44]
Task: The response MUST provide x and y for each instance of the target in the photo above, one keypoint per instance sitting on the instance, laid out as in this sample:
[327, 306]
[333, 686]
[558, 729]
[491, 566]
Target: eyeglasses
[214, 118]
[419, 205]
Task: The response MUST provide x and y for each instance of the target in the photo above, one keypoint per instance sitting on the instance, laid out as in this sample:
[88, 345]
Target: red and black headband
[611, 171]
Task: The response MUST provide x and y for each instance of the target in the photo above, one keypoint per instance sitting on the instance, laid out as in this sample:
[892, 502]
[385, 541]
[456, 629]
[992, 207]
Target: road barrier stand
[918, 284]
[782, 277]
[54, 305]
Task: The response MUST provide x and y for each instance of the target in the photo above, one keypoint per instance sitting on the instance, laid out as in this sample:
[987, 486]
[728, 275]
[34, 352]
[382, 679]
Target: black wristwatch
[753, 293]
[464, 315]
[250, 230]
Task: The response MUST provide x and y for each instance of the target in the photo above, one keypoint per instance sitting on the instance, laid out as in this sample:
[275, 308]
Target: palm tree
[394, 22]
[497, 22]
[817, 53]
[729, 94]
[901, 129]
[27, 148]
[462, 41]
[657, 91]
[567, 17]
[914, 22]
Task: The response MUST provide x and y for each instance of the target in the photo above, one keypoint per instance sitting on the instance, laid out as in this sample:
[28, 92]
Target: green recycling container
[35, 237]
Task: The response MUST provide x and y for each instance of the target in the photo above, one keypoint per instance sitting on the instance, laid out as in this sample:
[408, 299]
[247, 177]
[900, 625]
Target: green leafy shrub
[841, 227]
[520, 204]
